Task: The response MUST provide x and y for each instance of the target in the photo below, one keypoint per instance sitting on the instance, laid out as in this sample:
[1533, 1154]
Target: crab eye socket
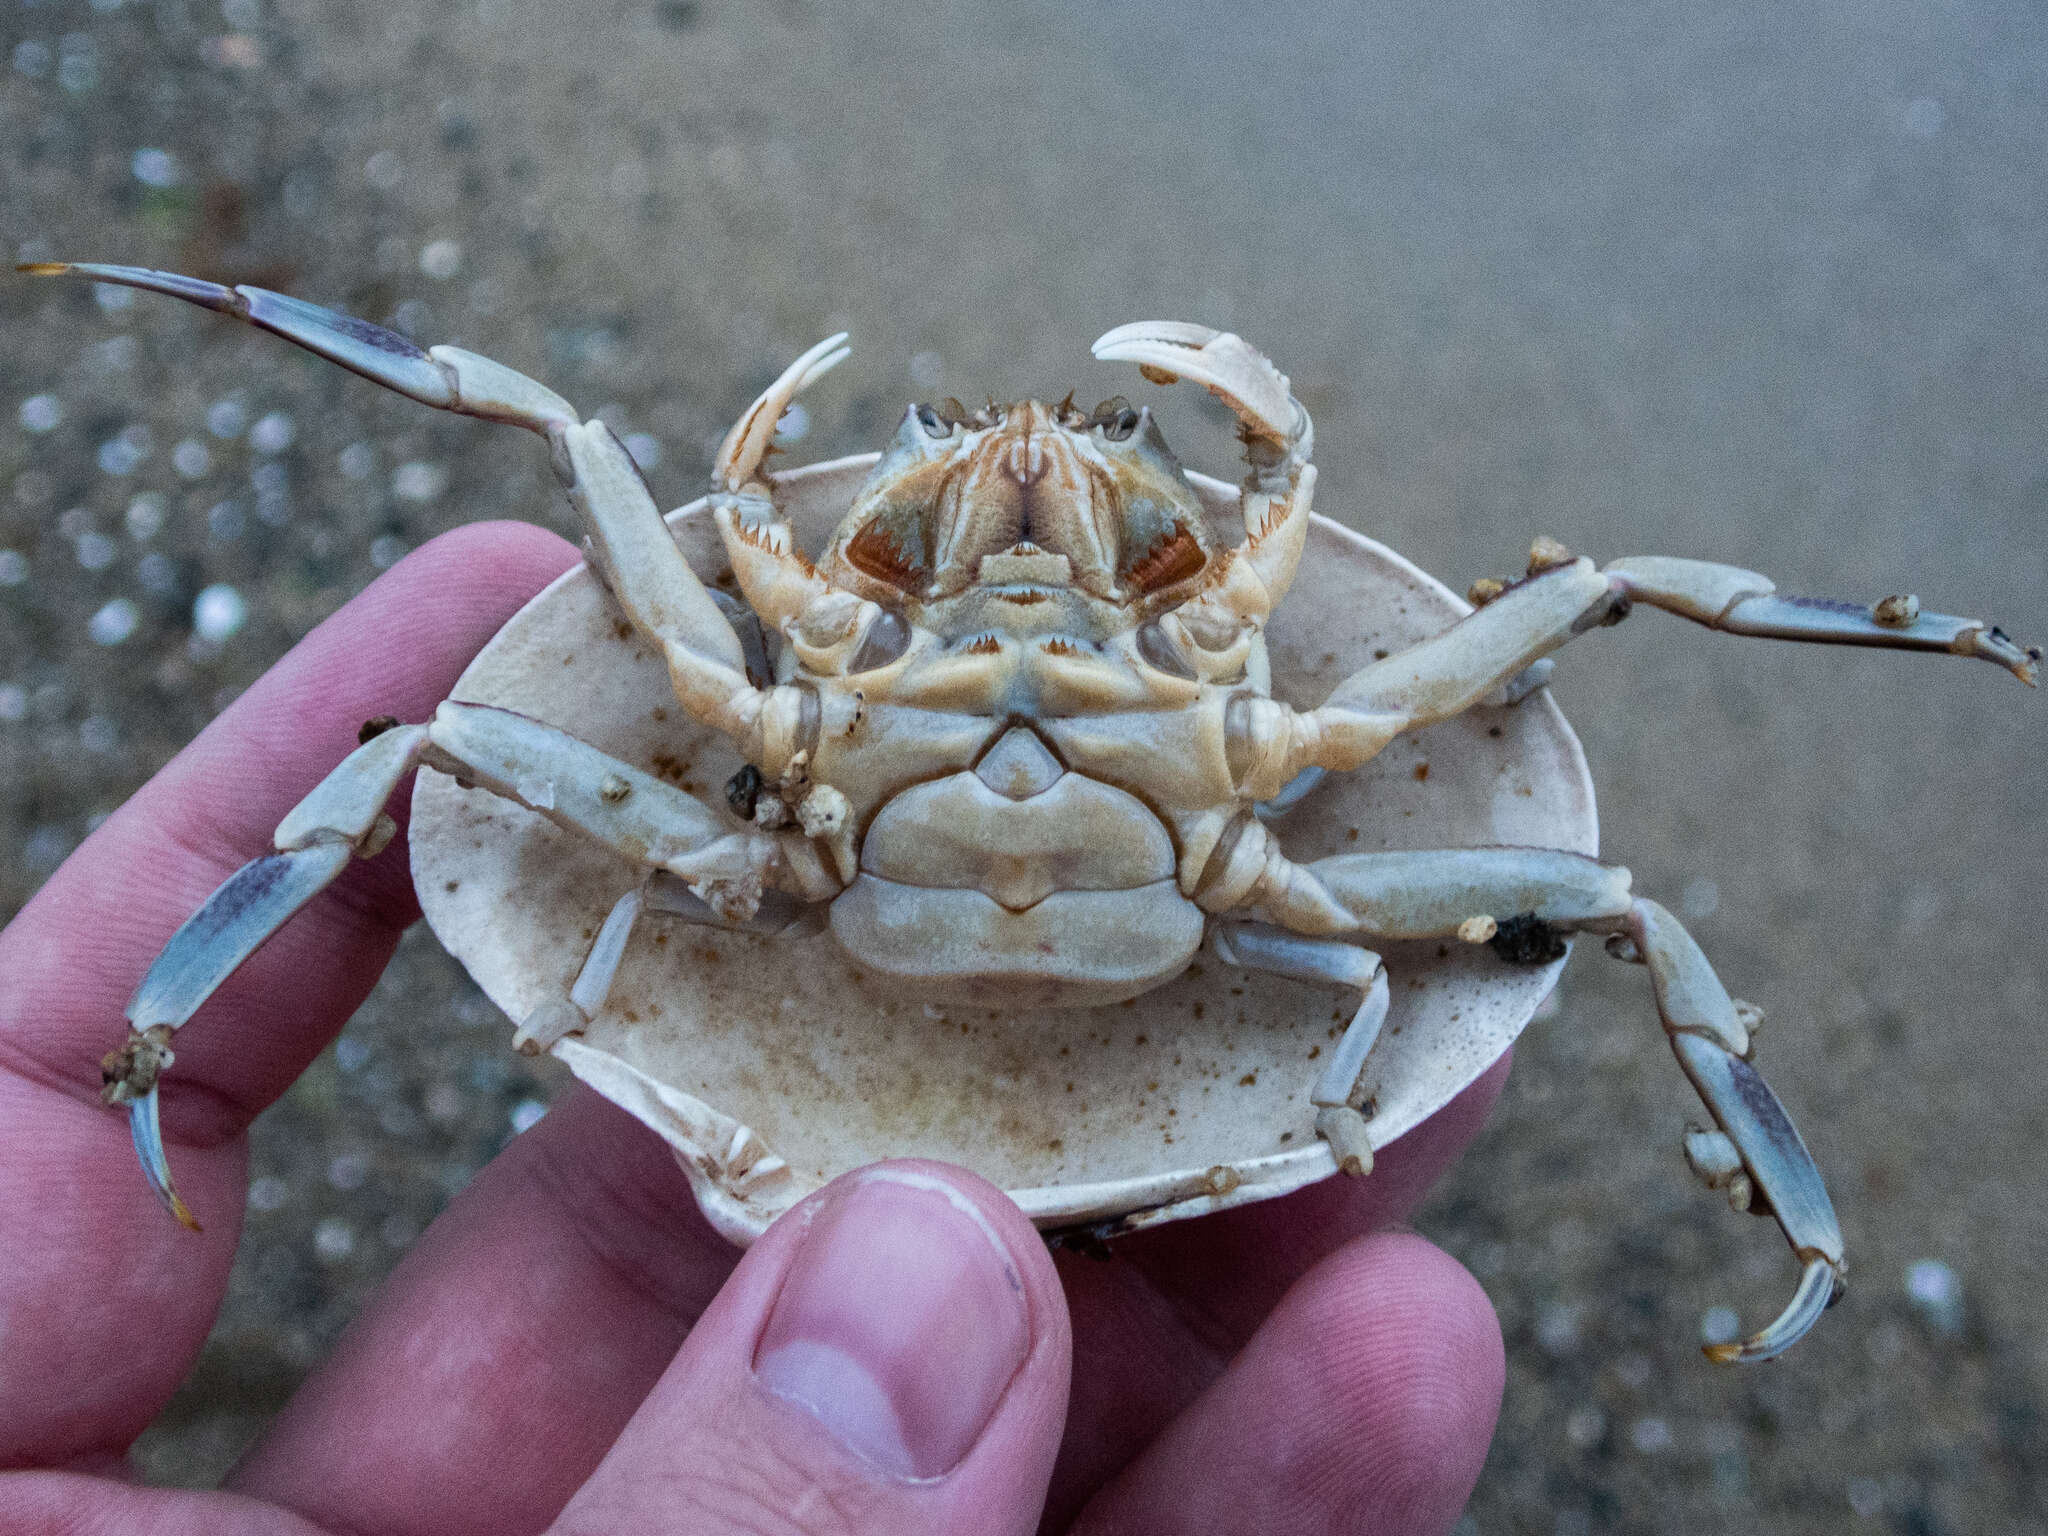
[934, 424]
[1115, 419]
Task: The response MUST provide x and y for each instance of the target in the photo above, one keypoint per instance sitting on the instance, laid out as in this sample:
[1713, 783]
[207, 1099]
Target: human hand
[570, 1346]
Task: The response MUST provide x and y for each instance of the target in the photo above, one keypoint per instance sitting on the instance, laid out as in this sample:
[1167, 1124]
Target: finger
[1365, 1403]
[1155, 1326]
[76, 1504]
[522, 1331]
[891, 1358]
[112, 1301]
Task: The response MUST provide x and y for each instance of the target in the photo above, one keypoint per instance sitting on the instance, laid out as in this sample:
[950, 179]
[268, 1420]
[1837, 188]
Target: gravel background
[1753, 282]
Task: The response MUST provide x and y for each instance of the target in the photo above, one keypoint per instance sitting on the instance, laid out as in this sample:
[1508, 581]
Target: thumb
[891, 1357]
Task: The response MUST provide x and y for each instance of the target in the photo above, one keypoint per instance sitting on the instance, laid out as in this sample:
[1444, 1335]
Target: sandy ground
[1756, 283]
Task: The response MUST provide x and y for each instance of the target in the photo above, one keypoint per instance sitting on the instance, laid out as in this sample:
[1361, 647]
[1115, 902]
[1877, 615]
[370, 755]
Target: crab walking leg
[651, 823]
[344, 815]
[1522, 902]
[1711, 1037]
[660, 894]
[1561, 599]
[630, 544]
[1254, 946]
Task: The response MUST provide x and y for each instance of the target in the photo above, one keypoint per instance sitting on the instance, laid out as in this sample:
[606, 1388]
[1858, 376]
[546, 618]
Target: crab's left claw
[746, 445]
[1223, 363]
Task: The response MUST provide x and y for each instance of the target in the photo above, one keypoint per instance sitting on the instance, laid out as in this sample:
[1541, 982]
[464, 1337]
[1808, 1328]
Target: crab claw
[1223, 363]
[746, 445]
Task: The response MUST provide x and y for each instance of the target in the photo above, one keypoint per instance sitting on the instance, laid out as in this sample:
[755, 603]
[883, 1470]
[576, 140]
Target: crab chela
[1012, 740]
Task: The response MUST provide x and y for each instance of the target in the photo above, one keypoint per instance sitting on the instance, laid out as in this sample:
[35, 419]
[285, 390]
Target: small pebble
[334, 1239]
[350, 1053]
[224, 522]
[13, 702]
[267, 1193]
[46, 848]
[13, 568]
[98, 733]
[1721, 1325]
[32, 59]
[96, 551]
[273, 434]
[225, 418]
[145, 516]
[386, 550]
[1557, 1327]
[191, 458]
[526, 1114]
[1650, 1436]
[441, 259]
[1585, 1426]
[383, 170]
[418, 481]
[348, 1170]
[113, 298]
[1936, 1294]
[156, 168]
[1866, 1497]
[41, 413]
[218, 612]
[119, 455]
[114, 622]
[358, 461]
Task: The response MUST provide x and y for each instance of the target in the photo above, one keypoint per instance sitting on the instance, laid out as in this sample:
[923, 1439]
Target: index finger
[107, 1302]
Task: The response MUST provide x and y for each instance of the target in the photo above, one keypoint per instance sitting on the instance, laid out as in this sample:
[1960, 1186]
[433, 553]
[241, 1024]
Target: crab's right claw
[1757, 1156]
[1223, 363]
[747, 444]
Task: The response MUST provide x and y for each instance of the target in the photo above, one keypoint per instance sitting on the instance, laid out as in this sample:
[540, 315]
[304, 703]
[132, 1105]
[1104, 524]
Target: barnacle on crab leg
[1522, 901]
[649, 822]
[629, 543]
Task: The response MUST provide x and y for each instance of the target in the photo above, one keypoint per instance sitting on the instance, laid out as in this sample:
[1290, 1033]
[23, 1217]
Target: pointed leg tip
[44, 268]
[147, 1132]
[1820, 1285]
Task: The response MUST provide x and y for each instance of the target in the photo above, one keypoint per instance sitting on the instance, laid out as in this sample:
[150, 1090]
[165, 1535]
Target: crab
[1012, 738]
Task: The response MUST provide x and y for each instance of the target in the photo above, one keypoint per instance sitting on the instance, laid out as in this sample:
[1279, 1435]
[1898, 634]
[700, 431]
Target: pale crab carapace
[1016, 741]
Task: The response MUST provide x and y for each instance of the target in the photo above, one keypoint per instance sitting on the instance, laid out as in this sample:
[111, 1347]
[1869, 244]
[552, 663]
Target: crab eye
[1116, 419]
[934, 425]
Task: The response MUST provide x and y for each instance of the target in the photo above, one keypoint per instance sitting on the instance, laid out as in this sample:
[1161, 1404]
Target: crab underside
[1114, 914]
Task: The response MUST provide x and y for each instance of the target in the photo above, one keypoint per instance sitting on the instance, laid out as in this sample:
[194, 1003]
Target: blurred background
[1757, 283]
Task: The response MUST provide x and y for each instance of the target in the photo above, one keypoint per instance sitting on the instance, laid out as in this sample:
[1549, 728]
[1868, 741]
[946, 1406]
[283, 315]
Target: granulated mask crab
[1048, 834]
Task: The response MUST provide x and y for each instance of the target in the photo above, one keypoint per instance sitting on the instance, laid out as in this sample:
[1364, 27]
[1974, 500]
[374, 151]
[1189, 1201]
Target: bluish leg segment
[1257, 947]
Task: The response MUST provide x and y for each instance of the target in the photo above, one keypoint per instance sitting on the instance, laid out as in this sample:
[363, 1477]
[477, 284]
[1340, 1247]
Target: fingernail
[900, 1325]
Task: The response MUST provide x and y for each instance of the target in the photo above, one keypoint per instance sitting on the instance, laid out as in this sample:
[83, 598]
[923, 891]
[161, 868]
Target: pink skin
[570, 1345]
